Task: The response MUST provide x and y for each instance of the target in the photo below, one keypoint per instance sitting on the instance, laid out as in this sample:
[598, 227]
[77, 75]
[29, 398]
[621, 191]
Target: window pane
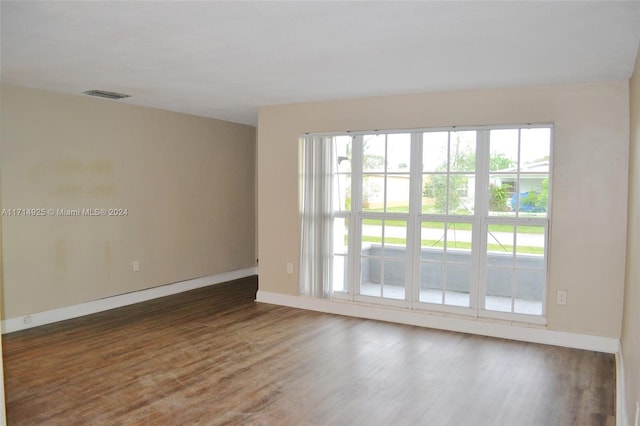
[373, 153]
[342, 148]
[342, 192]
[499, 290]
[448, 191]
[340, 273]
[398, 152]
[503, 160]
[432, 236]
[535, 150]
[370, 255]
[445, 270]
[373, 192]
[462, 152]
[435, 151]
[370, 276]
[530, 247]
[383, 258]
[461, 194]
[458, 285]
[434, 193]
[398, 188]
[340, 235]
[502, 189]
[431, 282]
[459, 239]
[529, 292]
[371, 233]
[503, 150]
[534, 195]
[500, 243]
[458, 267]
[395, 238]
[432, 249]
[394, 279]
[519, 189]
[515, 273]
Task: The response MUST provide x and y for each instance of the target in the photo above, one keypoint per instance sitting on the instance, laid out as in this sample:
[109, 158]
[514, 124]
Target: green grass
[459, 226]
[455, 244]
[401, 209]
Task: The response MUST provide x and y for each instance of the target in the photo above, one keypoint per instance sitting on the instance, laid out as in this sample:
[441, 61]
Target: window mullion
[413, 223]
[355, 234]
[448, 175]
[479, 230]
[514, 254]
[518, 166]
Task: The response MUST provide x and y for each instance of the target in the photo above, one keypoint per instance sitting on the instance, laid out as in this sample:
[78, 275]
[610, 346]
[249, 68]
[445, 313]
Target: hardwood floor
[214, 356]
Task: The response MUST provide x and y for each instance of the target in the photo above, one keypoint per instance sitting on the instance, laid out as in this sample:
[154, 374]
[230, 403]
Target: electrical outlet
[28, 320]
[561, 298]
[289, 268]
[136, 265]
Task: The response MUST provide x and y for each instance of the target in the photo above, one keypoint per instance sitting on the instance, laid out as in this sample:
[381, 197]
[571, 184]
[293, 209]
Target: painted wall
[187, 183]
[631, 320]
[589, 212]
[3, 413]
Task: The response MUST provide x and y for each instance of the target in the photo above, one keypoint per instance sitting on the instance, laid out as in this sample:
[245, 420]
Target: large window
[448, 219]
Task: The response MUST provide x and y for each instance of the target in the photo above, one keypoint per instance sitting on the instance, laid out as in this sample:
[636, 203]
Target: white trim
[621, 407]
[511, 316]
[430, 129]
[485, 327]
[41, 318]
[3, 406]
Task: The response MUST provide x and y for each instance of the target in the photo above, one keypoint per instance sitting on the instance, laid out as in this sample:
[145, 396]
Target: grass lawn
[456, 245]
[459, 226]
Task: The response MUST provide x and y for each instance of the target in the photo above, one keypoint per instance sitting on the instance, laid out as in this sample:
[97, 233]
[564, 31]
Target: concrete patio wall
[529, 275]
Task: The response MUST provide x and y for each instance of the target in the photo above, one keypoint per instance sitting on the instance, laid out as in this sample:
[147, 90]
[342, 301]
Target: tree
[436, 186]
[465, 160]
[497, 198]
[372, 162]
[537, 201]
[499, 161]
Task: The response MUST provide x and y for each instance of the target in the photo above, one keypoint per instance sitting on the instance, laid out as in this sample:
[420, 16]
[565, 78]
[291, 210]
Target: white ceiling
[224, 59]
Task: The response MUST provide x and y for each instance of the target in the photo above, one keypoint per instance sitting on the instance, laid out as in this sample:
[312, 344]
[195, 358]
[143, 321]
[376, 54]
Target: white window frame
[480, 221]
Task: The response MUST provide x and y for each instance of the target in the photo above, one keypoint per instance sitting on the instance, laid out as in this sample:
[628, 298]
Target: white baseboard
[621, 407]
[41, 318]
[493, 328]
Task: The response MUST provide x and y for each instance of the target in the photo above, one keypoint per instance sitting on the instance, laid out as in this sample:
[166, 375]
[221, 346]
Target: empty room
[320, 213]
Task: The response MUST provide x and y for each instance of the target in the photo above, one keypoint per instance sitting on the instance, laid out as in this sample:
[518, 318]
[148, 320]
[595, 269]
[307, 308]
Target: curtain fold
[316, 212]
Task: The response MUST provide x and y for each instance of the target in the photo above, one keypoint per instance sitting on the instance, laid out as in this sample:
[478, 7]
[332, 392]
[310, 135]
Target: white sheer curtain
[316, 216]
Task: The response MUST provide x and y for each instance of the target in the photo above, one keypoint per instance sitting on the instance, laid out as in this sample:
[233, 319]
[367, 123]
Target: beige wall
[3, 417]
[587, 249]
[188, 184]
[631, 320]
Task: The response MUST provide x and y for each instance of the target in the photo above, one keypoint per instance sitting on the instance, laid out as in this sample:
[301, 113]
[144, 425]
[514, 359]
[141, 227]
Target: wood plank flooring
[214, 356]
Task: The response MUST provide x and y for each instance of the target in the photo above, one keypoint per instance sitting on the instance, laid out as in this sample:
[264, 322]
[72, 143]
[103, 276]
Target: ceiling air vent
[105, 94]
